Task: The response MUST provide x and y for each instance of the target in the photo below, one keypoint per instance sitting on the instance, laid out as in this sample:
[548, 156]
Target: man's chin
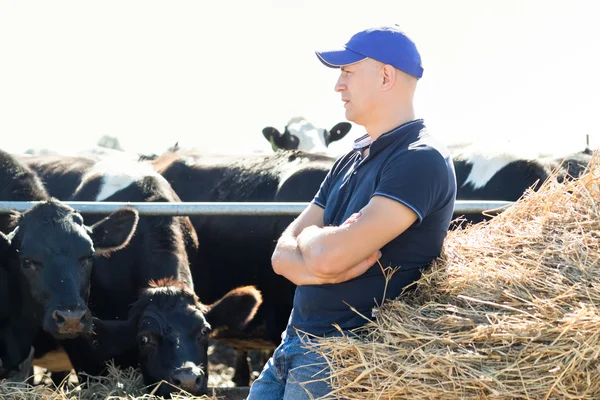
[350, 116]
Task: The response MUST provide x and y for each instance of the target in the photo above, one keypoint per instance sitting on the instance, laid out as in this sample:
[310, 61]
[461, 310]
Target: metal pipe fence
[223, 208]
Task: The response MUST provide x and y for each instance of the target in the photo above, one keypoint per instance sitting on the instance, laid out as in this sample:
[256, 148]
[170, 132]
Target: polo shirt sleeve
[419, 180]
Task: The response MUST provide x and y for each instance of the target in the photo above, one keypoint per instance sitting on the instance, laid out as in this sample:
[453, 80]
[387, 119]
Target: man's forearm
[288, 261]
[287, 255]
[321, 252]
[306, 260]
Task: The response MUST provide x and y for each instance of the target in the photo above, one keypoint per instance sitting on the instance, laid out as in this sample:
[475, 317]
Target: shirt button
[354, 173]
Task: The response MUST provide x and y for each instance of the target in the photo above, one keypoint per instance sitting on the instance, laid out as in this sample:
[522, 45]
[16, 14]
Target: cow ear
[338, 131]
[270, 133]
[111, 338]
[273, 136]
[115, 231]
[236, 309]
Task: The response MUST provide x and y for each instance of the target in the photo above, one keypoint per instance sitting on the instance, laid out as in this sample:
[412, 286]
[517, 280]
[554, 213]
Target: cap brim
[339, 58]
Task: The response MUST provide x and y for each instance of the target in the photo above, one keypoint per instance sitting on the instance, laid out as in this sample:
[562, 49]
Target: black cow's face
[55, 253]
[173, 346]
[170, 328]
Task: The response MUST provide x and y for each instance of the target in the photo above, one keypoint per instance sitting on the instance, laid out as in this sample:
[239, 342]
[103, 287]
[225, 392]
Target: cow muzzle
[70, 322]
[191, 379]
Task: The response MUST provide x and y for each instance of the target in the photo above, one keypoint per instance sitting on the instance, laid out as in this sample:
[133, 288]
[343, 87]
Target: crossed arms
[308, 253]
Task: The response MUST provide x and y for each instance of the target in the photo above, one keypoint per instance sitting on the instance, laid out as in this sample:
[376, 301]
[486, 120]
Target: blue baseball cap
[386, 44]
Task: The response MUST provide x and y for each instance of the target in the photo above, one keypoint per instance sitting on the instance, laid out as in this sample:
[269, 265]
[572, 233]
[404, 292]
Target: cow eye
[203, 332]
[143, 340]
[146, 341]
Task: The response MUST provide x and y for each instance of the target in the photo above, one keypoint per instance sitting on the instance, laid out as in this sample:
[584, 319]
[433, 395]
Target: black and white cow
[570, 166]
[299, 134]
[163, 247]
[46, 258]
[237, 249]
[60, 175]
[506, 176]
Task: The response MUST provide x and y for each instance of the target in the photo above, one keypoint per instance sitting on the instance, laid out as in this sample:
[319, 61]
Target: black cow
[299, 134]
[162, 247]
[17, 326]
[169, 328]
[46, 262]
[236, 250]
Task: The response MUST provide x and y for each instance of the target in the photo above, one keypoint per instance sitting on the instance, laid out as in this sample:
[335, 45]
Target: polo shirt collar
[365, 141]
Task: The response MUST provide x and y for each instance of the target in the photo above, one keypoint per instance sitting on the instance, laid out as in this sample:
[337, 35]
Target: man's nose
[340, 85]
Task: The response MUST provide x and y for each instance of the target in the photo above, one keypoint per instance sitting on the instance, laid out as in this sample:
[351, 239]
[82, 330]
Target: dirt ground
[221, 361]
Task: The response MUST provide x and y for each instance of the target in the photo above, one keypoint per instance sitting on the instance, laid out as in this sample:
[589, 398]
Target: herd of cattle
[150, 291]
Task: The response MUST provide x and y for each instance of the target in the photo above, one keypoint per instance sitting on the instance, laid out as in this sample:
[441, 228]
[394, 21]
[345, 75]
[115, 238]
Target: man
[388, 202]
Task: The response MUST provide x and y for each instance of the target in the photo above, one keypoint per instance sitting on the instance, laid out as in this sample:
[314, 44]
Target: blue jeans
[285, 375]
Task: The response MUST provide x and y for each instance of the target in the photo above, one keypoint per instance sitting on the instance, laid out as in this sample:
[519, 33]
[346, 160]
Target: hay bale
[509, 311]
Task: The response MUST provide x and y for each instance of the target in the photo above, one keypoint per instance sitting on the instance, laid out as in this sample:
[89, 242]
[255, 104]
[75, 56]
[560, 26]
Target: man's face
[359, 84]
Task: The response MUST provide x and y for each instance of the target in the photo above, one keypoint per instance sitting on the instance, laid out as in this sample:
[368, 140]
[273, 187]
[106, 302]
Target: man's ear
[389, 76]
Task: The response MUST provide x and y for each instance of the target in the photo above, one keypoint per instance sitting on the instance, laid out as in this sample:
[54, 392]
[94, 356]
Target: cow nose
[70, 321]
[191, 380]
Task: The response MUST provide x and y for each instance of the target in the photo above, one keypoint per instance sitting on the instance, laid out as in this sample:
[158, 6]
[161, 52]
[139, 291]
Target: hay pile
[510, 311]
[117, 384]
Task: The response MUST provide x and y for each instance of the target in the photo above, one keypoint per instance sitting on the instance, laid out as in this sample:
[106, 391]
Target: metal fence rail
[221, 208]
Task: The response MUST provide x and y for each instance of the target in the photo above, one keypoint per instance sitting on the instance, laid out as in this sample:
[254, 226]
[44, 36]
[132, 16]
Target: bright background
[213, 74]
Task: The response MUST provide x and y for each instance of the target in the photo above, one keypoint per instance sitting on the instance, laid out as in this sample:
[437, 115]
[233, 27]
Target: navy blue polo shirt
[407, 165]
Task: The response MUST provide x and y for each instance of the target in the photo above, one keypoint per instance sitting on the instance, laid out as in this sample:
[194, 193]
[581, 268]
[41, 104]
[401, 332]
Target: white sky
[214, 73]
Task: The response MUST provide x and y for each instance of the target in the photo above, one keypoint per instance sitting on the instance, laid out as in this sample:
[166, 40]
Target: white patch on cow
[311, 138]
[118, 173]
[486, 162]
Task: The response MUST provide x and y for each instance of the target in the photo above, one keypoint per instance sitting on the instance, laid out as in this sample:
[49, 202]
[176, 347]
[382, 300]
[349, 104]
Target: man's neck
[383, 126]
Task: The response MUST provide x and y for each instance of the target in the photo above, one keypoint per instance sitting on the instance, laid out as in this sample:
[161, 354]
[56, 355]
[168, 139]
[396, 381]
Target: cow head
[301, 135]
[170, 328]
[53, 255]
